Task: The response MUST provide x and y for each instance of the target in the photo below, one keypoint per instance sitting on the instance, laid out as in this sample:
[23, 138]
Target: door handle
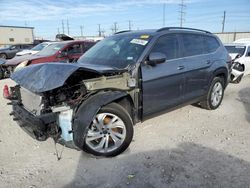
[180, 67]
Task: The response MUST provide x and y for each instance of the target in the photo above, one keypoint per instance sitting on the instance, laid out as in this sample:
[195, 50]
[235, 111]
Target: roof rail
[122, 31]
[182, 28]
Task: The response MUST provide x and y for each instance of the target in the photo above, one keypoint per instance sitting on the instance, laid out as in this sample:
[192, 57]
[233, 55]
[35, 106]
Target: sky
[47, 15]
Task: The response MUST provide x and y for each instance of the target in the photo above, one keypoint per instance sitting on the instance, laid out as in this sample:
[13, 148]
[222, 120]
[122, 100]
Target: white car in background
[242, 47]
[34, 50]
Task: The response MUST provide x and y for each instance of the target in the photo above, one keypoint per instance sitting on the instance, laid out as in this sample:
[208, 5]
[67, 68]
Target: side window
[193, 44]
[74, 49]
[211, 44]
[88, 45]
[167, 45]
[14, 47]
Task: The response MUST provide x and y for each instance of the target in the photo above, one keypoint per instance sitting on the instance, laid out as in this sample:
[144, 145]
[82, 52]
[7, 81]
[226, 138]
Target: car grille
[31, 101]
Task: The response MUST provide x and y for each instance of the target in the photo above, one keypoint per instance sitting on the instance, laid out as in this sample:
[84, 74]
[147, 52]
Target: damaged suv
[124, 79]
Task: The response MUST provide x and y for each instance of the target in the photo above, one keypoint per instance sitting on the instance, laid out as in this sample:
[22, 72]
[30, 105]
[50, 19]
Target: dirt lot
[188, 147]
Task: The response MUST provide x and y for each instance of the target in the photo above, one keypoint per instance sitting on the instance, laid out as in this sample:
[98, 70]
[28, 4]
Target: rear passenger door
[197, 63]
[162, 84]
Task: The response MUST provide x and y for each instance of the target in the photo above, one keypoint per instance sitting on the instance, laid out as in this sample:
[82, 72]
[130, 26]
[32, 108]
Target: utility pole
[68, 26]
[62, 27]
[129, 25]
[164, 14]
[182, 13]
[223, 21]
[115, 27]
[81, 27]
[58, 31]
[99, 30]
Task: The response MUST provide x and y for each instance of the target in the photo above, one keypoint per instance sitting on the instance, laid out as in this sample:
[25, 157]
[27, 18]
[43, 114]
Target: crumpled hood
[44, 77]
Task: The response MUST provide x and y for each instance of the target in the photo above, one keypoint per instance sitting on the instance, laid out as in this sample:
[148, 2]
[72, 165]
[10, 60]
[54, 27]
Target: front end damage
[65, 110]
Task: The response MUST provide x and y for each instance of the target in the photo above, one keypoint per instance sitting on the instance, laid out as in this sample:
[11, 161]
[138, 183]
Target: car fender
[87, 110]
[220, 71]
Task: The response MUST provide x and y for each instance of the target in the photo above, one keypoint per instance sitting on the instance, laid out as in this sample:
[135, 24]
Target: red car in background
[64, 52]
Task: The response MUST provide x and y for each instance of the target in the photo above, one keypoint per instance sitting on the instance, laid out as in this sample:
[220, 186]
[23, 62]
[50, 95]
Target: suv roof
[165, 29]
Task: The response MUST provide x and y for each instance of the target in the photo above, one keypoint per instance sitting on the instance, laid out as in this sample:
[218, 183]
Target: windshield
[39, 47]
[236, 49]
[117, 51]
[51, 49]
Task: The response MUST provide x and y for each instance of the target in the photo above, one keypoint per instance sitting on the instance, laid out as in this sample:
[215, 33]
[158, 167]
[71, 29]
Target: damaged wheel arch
[87, 110]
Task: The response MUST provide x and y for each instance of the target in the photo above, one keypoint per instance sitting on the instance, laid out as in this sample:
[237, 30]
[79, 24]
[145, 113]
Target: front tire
[110, 132]
[215, 94]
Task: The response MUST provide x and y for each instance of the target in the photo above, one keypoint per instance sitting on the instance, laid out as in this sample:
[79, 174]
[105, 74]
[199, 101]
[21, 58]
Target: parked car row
[122, 80]
[66, 51]
[10, 52]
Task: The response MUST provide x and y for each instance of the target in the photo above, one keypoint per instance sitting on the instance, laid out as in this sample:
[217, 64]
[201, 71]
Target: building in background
[16, 35]
[228, 37]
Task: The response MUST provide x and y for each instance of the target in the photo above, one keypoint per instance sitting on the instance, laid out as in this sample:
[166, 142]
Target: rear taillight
[6, 92]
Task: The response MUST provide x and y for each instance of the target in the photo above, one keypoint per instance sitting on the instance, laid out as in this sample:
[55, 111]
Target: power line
[129, 25]
[223, 21]
[81, 27]
[99, 30]
[182, 13]
[68, 26]
[164, 14]
[62, 27]
[114, 29]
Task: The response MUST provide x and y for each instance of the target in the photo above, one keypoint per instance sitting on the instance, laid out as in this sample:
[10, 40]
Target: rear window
[195, 44]
[211, 44]
[237, 49]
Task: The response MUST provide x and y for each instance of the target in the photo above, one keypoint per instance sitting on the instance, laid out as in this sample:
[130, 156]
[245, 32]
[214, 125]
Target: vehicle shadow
[244, 96]
[188, 165]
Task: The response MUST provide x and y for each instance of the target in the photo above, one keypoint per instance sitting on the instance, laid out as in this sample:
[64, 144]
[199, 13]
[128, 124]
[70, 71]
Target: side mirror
[156, 58]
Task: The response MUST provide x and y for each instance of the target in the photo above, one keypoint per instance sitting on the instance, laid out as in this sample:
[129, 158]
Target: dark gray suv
[123, 79]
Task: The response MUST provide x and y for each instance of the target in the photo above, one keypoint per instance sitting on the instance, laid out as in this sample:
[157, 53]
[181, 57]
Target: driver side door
[162, 84]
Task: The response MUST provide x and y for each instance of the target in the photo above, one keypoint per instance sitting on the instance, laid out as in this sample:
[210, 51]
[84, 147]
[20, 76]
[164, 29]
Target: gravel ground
[188, 147]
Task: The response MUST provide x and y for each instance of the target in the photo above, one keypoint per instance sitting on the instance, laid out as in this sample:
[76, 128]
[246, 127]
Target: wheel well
[3, 53]
[127, 103]
[223, 76]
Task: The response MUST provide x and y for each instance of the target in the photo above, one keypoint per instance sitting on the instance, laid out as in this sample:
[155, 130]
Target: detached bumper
[36, 126]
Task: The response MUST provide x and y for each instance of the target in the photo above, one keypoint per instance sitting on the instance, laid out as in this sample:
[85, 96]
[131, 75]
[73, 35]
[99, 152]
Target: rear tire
[117, 132]
[215, 94]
